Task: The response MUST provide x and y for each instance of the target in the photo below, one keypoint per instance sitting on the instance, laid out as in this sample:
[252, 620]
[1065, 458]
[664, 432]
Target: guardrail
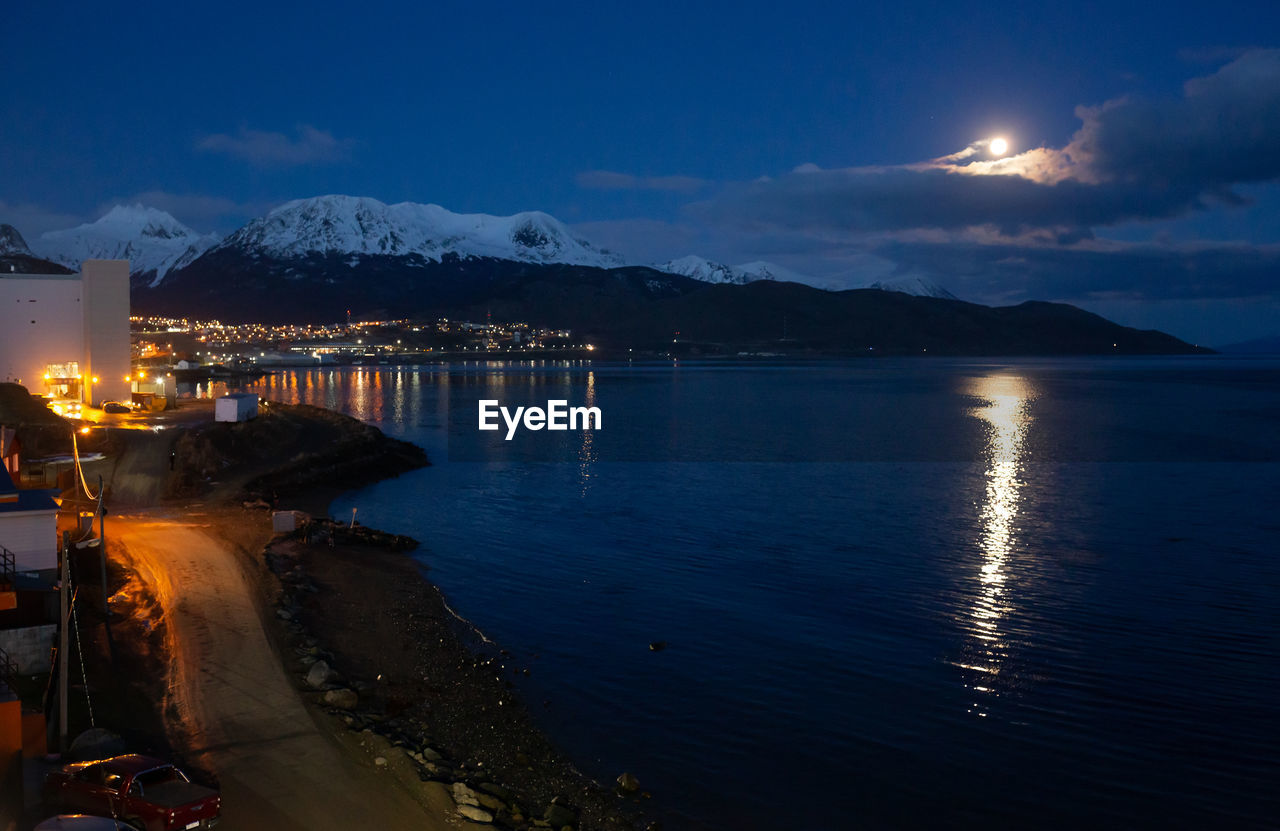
[8, 567]
[8, 674]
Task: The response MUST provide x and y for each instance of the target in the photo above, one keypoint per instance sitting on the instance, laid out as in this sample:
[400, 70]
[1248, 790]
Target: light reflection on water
[1006, 411]
[587, 453]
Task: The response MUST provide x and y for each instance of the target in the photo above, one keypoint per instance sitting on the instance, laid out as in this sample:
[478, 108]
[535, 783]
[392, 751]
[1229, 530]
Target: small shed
[236, 406]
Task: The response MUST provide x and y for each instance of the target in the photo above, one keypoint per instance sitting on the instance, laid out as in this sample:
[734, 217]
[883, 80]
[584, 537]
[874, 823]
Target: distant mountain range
[156, 244]
[316, 259]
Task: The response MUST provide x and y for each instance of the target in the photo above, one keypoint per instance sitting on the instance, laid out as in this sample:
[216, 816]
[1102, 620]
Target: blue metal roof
[28, 500]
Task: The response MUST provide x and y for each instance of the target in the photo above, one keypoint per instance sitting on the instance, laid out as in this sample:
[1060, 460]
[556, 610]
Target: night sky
[845, 143]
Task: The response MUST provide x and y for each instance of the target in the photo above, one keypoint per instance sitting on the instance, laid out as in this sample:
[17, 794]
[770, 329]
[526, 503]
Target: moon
[998, 146]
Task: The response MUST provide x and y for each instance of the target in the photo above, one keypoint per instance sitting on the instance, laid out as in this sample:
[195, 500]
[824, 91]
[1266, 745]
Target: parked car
[115, 407]
[148, 794]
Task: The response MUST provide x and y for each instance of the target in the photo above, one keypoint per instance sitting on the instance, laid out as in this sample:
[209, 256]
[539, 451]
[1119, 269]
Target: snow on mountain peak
[361, 225]
[914, 286]
[700, 268]
[708, 271]
[151, 240]
[144, 221]
[11, 242]
[762, 270]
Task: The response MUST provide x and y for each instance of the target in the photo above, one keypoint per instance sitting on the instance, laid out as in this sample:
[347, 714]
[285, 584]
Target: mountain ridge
[320, 258]
[153, 241]
[362, 225]
[17, 258]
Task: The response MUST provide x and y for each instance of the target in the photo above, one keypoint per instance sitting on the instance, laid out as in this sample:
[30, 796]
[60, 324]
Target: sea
[878, 593]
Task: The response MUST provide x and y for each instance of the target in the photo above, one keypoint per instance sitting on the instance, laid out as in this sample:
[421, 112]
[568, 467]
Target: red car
[147, 793]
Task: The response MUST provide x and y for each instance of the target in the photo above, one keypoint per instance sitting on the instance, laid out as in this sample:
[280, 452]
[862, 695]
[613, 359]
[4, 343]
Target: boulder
[559, 816]
[342, 699]
[319, 675]
[628, 783]
[463, 795]
[475, 814]
[491, 802]
[95, 743]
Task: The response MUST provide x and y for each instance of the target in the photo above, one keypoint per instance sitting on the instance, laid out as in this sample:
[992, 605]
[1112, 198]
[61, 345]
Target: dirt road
[230, 701]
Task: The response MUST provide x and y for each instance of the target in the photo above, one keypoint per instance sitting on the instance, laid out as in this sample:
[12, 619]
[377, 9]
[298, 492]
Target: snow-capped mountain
[360, 225]
[914, 286]
[11, 242]
[761, 270]
[708, 271]
[16, 257]
[151, 240]
[705, 270]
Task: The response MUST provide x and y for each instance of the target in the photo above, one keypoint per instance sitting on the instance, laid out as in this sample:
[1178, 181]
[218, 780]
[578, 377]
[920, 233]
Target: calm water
[967, 594]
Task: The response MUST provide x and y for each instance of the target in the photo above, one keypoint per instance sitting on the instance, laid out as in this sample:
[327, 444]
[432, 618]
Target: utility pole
[102, 543]
[63, 645]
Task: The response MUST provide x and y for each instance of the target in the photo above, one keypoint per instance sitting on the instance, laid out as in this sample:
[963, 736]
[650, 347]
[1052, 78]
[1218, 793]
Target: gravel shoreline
[372, 644]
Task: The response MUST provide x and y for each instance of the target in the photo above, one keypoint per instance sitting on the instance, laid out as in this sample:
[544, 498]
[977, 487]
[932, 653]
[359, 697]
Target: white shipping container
[237, 406]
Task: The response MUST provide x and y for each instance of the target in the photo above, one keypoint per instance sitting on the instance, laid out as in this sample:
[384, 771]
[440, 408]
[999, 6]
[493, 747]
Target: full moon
[998, 147]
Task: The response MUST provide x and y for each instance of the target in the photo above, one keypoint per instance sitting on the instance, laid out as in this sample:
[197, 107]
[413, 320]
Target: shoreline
[435, 708]
[413, 697]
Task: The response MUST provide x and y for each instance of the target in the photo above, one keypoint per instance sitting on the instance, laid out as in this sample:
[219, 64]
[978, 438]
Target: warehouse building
[66, 336]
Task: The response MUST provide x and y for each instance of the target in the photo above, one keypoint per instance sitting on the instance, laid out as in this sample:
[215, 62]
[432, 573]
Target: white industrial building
[67, 335]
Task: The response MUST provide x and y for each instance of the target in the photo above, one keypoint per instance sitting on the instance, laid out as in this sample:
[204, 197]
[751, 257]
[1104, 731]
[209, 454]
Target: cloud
[612, 180]
[1224, 131]
[33, 220]
[642, 241]
[197, 211]
[1130, 160]
[266, 149]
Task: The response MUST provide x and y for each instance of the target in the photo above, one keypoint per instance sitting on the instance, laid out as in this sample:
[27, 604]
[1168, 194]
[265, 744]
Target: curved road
[237, 712]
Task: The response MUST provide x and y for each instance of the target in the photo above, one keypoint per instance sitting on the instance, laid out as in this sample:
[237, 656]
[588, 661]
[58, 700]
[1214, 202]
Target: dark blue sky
[647, 127]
